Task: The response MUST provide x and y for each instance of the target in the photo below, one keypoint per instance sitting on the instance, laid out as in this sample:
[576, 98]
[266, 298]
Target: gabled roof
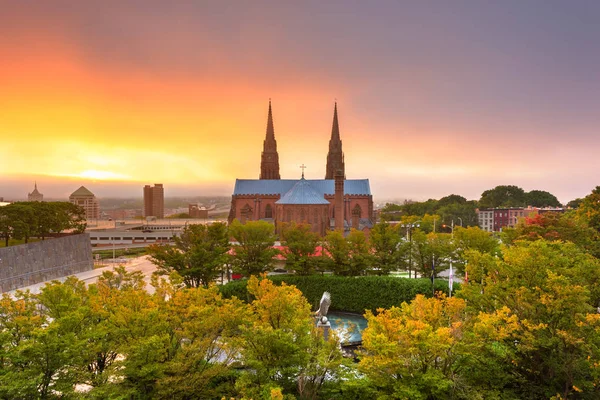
[302, 193]
[282, 186]
[82, 191]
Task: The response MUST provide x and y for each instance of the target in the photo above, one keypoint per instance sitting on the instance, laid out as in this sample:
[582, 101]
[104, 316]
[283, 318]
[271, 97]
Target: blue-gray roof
[282, 186]
[302, 193]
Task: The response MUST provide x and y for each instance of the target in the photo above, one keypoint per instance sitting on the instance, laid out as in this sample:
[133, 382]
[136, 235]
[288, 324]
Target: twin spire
[269, 165]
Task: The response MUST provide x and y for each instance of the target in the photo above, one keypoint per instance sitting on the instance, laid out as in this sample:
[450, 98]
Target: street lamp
[409, 236]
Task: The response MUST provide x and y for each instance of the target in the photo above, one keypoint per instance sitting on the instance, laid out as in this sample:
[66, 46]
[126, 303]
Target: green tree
[503, 196]
[541, 198]
[432, 250]
[198, 254]
[589, 209]
[338, 251]
[544, 297]
[388, 247]
[360, 253]
[253, 252]
[301, 243]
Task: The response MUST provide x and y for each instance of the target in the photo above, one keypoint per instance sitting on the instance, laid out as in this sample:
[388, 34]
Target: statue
[321, 314]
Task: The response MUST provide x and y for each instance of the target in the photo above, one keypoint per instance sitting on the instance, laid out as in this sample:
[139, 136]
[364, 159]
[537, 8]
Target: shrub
[351, 294]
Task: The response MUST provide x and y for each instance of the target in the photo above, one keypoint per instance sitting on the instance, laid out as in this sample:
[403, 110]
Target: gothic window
[268, 211]
[288, 217]
[302, 215]
[316, 216]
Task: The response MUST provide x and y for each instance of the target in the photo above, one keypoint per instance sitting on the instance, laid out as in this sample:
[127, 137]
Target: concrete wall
[37, 262]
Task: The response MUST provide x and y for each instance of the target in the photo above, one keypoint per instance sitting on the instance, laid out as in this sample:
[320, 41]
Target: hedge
[351, 294]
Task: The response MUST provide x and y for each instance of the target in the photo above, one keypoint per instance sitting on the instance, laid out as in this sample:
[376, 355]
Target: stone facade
[87, 200]
[37, 262]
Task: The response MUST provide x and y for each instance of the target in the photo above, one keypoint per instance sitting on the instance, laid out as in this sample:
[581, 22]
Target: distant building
[35, 195]
[196, 211]
[86, 199]
[154, 201]
[495, 219]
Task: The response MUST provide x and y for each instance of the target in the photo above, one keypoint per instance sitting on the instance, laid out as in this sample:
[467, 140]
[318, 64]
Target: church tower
[269, 162]
[335, 157]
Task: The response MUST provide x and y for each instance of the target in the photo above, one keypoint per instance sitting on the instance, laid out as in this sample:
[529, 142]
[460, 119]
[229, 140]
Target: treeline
[462, 211]
[27, 219]
[203, 253]
[524, 325]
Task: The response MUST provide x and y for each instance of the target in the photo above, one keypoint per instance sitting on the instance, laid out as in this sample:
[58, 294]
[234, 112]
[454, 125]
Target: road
[134, 264]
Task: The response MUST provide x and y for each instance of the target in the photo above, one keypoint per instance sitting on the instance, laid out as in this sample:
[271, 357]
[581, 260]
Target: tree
[338, 252]
[541, 198]
[253, 252]
[301, 244]
[503, 196]
[360, 256]
[554, 226]
[574, 203]
[472, 239]
[388, 247]
[589, 210]
[432, 250]
[544, 297]
[198, 255]
[412, 351]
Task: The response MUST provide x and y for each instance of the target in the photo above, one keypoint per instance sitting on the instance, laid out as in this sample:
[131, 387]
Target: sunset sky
[434, 97]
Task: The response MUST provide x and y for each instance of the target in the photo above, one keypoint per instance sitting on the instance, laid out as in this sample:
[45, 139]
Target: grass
[16, 242]
[129, 253]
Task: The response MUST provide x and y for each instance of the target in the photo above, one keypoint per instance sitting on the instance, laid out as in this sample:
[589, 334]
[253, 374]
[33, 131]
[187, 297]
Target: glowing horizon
[131, 94]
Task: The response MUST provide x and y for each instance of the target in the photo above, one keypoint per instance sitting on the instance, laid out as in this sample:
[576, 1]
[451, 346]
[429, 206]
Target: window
[268, 211]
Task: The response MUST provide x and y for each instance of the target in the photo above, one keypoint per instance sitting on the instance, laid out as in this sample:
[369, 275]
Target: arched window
[288, 216]
[302, 215]
[268, 211]
[315, 216]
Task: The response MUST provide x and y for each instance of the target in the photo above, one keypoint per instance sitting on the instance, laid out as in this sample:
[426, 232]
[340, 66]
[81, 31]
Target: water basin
[349, 325]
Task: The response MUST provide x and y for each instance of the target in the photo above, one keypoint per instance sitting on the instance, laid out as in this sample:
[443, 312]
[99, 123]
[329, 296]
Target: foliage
[554, 226]
[412, 351]
[539, 303]
[447, 209]
[589, 209]
[388, 248]
[351, 294]
[254, 252]
[541, 198]
[503, 196]
[23, 220]
[301, 244]
[432, 252]
[198, 255]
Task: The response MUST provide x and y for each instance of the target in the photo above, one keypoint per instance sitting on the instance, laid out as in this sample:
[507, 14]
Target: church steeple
[269, 163]
[335, 156]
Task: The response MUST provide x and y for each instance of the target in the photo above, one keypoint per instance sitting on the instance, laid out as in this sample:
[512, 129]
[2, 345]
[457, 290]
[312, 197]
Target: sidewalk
[83, 276]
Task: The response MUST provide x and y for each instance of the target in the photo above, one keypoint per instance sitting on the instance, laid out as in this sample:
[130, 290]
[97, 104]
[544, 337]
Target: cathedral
[331, 203]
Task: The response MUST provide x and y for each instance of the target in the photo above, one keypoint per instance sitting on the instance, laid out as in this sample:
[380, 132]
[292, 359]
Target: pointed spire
[269, 164]
[335, 129]
[335, 156]
[34, 185]
[270, 128]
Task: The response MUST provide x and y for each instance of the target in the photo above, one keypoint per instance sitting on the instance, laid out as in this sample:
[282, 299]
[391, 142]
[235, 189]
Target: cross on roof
[303, 168]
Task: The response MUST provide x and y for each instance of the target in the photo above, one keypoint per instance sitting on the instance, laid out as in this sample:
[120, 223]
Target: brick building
[330, 203]
[86, 199]
[154, 201]
[196, 211]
